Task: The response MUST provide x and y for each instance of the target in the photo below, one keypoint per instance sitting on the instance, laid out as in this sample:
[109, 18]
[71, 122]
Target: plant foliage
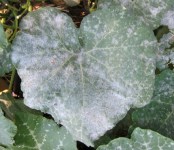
[140, 139]
[8, 130]
[5, 63]
[97, 77]
[159, 114]
[89, 78]
[31, 130]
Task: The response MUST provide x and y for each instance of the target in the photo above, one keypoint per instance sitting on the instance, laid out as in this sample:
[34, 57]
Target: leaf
[2, 148]
[165, 54]
[159, 114]
[11, 106]
[150, 12]
[103, 4]
[5, 63]
[8, 130]
[39, 133]
[86, 78]
[72, 2]
[140, 140]
[166, 41]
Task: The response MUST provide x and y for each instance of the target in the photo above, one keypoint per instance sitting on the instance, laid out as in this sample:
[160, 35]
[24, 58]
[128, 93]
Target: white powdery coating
[8, 130]
[89, 86]
[165, 55]
[168, 19]
[152, 10]
[164, 84]
[5, 64]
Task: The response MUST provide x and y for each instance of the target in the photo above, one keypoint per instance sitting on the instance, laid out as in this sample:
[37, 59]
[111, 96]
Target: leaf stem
[7, 26]
[16, 27]
[12, 80]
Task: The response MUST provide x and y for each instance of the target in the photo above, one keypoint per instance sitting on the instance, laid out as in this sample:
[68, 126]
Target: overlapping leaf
[39, 133]
[34, 131]
[5, 63]
[159, 114]
[140, 140]
[11, 106]
[86, 79]
[7, 132]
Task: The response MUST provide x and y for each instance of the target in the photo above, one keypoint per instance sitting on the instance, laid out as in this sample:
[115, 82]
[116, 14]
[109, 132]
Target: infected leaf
[86, 78]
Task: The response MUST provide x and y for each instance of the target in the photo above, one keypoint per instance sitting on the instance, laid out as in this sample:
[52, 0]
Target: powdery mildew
[158, 115]
[165, 53]
[168, 19]
[8, 130]
[5, 64]
[87, 86]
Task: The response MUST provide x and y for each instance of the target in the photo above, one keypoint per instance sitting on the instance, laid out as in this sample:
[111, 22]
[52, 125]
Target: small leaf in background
[7, 130]
[159, 114]
[38, 133]
[166, 41]
[140, 140]
[88, 85]
[165, 53]
[5, 62]
[11, 106]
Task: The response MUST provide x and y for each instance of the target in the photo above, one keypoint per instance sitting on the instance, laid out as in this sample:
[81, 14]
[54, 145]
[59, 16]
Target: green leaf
[11, 106]
[165, 54]
[2, 148]
[151, 12]
[103, 4]
[159, 114]
[140, 140]
[86, 78]
[7, 132]
[5, 63]
[39, 133]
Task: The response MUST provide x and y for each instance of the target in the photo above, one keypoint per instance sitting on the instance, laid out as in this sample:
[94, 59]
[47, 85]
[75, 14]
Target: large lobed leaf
[39, 133]
[159, 114]
[7, 132]
[140, 140]
[86, 78]
[5, 63]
